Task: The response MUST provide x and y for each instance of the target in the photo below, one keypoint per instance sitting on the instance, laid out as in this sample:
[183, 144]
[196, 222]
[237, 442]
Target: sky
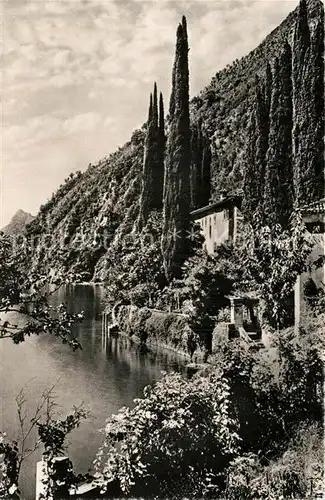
[77, 74]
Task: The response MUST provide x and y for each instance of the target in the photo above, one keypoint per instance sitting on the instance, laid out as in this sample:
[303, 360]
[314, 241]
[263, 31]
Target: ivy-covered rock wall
[159, 328]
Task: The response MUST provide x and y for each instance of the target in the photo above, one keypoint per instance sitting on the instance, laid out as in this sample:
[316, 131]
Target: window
[215, 220]
[210, 231]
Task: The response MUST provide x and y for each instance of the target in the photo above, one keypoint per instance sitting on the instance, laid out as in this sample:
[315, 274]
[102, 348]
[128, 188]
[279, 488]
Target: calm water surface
[103, 377]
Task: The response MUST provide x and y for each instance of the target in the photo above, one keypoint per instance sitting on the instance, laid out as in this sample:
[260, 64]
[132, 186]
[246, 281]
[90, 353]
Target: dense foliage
[284, 154]
[273, 258]
[201, 293]
[174, 440]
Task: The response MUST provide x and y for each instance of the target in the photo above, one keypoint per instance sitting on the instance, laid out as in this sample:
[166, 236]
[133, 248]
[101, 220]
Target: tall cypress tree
[155, 107]
[268, 91]
[200, 167]
[158, 179]
[255, 156]
[301, 44]
[311, 172]
[278, 198]
[162, 145]
[195, 166]
[177, 165]
[251, 182]
[205, 172]
[301, 40]
[149, 113]
[153, 163]
[162, 120]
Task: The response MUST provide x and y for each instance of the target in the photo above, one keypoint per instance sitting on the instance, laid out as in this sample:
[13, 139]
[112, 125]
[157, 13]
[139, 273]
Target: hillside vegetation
[84, 220]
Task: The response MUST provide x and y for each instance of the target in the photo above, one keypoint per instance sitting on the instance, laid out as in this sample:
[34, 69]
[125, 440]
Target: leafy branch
[28, 294]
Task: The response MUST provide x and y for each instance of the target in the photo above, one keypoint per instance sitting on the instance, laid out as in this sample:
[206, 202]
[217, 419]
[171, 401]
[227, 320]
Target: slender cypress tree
[196, 165]
[162, 119]
[301, 44]
[195, 162]
[255, 156]
[153, 163]
[176, 207]
[146, 170]
[262, 138]
[278, 198]
[301, 40]
[158, 179]
[205, 172]
[150, 111]
[311, 172]
[162, 139]
[200, 167]
[155, 107]
[251, 188]
[268, 91]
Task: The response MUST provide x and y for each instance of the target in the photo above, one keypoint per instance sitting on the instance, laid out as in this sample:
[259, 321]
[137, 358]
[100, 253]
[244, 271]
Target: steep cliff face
[92, 210]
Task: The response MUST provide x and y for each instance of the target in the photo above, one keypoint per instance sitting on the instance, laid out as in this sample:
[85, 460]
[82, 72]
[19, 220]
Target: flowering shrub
[175, 441]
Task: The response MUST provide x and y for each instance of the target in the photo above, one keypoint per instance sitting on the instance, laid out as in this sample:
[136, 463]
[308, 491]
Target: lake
[103, 377]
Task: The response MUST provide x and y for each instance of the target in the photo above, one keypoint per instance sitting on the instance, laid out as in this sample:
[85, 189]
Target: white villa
[219, 221]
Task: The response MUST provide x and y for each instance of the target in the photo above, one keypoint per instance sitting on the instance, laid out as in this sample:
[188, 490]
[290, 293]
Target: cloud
[40, 129]
[81, 123]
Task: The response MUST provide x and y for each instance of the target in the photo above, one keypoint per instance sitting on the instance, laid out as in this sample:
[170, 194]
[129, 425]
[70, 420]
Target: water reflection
[105, 376]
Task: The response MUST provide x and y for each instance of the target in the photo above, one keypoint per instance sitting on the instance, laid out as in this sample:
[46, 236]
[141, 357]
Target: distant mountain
[18, 222]
[90, 211]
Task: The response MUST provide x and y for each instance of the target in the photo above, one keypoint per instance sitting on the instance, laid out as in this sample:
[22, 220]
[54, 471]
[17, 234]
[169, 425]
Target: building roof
[316, 207]
[227, 202]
